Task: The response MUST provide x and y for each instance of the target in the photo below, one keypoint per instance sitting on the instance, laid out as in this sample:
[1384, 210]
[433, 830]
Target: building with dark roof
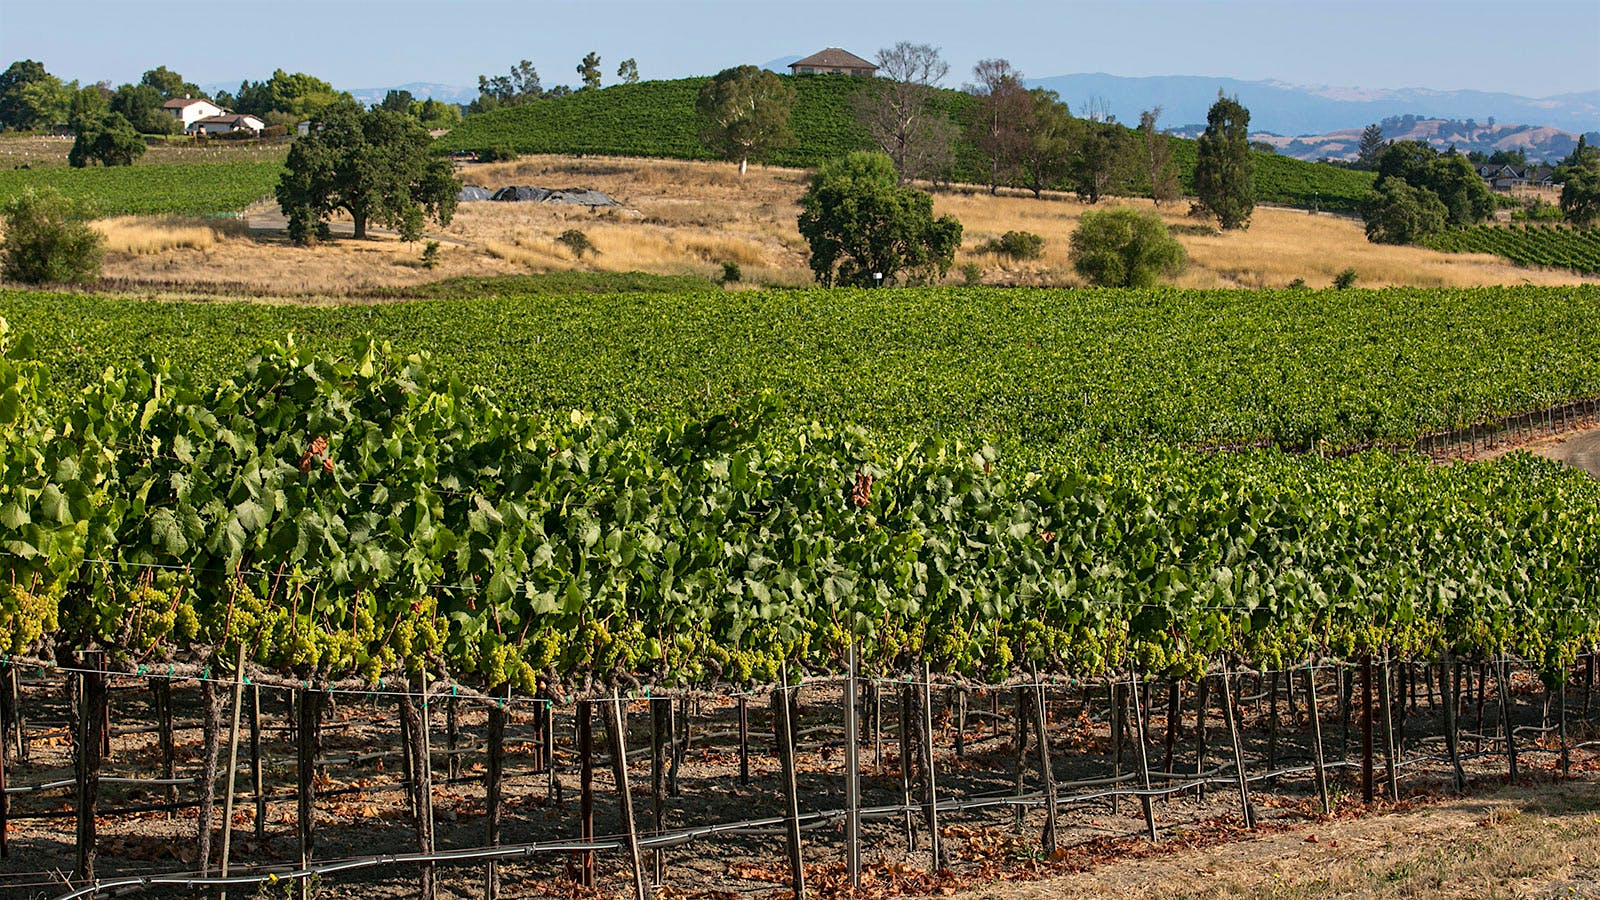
[834, 61]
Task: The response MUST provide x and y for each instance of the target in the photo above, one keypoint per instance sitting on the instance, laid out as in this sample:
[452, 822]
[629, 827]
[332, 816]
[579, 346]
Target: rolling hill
[658, 119]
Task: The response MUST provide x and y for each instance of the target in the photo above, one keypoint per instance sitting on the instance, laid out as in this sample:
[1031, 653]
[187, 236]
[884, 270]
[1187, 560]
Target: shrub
[577, 242]
[44, 244]
[1345, 280]
[1015, 244]
[497, 154]
[731, 272]
[430, 255]
[111, 142]
[1299, 284]
[972, 274]
[1125, 248]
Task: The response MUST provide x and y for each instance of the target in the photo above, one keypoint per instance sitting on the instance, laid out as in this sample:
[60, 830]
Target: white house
[223, 124]
[189, 111]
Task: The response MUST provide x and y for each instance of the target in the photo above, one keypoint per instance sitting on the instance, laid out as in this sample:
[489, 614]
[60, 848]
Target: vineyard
[1531, 244]
[189, 189]
[658, 119]
[323, 523]
[1050, 372]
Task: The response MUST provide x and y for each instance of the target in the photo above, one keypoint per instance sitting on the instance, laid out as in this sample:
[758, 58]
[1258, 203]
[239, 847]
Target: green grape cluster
[26, 616]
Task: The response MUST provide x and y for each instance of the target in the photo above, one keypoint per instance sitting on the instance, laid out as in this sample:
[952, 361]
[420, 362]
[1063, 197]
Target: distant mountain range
[1287, 109]
[1537, 142]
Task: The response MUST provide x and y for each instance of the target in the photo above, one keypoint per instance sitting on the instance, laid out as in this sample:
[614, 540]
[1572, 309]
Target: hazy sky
[1529, 48]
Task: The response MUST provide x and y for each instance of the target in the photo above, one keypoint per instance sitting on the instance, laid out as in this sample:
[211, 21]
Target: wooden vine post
[1449, 687]
[415, 726]
[233, 765]
[493, 776]
[307, 733]
[1046, 767]
[932, 806]
[852, 774]
[616, 724]
[87, 756]
[660, 725]
[586, 789]
[211, 737]
[785, 735]
[1386, 699]
[1144, 759]
[1238, 748]
[1023, 697]
[1502, 675]
[1316, 737]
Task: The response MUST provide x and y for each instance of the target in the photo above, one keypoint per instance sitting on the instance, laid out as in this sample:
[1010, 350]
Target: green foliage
[1125, 247]
[1224, 177]
[578, 242]
[362, 514]
[140, 104]
[374, 165]
[1049, 373]
[1397, 213]
[1580, 195]
[1015, 244]
[1449, 178]
[44, 243]
[285, 98]
[731, 272]
[971, 274]
[1534, 244]
[865, 229]
[28, 96]
[628, 71]
[497, 154]
[189, 189]
[1345, 280]
[430, 255]
[110, 142]
[589, 71]
[746, 111]
[1104, 155]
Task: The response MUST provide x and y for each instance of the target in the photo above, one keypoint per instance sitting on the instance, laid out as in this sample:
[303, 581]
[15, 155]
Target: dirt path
[1529, 841]
[266, 219]
[1580, 449]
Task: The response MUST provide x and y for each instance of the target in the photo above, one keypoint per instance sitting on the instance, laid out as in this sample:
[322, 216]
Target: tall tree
[589, 71]
[1580, 194]
[995, 129]
[140, 104]
[1371, 145]
[1047, 152]
[747, 114]
[15, 113]
[110, 141]
[1224, 174]
[1157, 158]
[1101, 159]
[397, 101]
[374, 165]
[865, 229]
[628, 71]
[899, 114]
[520, 85]
[170, 84]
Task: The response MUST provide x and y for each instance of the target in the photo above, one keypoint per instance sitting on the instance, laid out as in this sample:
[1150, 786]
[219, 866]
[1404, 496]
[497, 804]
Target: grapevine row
[1553, 246]
[365, 516]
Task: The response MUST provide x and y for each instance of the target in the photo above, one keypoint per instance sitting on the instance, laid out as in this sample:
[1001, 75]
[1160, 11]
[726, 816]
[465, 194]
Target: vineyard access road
[1580, 449]
[1533, 840]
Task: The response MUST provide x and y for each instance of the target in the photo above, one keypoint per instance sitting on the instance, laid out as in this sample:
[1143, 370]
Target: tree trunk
[361, 225]
[211, 736]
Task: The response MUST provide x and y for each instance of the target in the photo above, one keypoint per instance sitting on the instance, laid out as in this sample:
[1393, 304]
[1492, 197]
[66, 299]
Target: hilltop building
[834, 61]
[190, 110]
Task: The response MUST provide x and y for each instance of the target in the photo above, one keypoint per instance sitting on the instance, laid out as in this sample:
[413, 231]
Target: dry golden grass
[688, 218]
[145, 235]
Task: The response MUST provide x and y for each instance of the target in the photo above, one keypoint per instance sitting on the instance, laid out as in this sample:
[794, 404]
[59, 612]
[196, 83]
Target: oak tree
[865, 228]
[373, 165]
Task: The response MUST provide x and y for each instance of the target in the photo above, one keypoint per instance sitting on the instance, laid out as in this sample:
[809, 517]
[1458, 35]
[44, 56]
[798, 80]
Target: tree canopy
[865, 228]
[1224, 173]
[109, 141]
[374, 165]
[1440, 190]
[746, 112]
[1580, 194]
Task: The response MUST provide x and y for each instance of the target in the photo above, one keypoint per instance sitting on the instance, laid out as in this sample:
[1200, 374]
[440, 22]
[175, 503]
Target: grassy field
[190, 189]
[658, 119]
[1047, 371]
[687, 218]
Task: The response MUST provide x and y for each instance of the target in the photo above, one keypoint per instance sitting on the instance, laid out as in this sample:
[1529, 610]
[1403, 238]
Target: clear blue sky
[1529, 48]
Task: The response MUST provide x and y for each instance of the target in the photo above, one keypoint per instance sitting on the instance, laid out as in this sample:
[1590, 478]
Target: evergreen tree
[589, 71]
[1224, 174]
[1371, 146]
[628, 71]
